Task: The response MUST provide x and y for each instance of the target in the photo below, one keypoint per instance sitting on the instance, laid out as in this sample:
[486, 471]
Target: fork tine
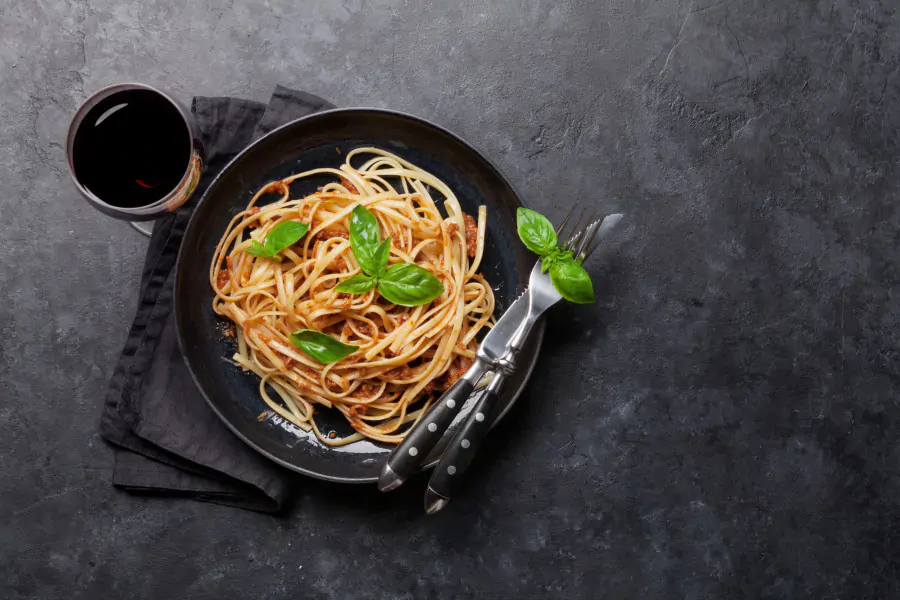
[589, 232]
[572, 238]
[575, 241]
[605, 226]
[564, 221]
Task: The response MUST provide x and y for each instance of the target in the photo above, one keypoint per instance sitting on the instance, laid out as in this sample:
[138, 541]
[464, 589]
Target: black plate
[305, 144]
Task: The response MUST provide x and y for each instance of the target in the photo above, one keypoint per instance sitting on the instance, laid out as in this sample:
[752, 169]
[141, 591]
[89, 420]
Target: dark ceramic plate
[305, 144]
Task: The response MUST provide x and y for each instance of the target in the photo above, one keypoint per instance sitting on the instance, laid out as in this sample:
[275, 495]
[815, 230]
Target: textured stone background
[724, 423]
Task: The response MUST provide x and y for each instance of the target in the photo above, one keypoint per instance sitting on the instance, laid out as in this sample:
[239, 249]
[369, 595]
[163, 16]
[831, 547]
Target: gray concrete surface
[724, 422]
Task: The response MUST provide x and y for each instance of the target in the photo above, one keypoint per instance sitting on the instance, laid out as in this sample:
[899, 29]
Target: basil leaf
[408, 284]
[571, 281]
[284, 234]
[321, 347]
[256, 249]
[535, 231]
[557, 255]
[271, 253]
[365, 235]
[381, 257]
[358, 284]
[280, 237]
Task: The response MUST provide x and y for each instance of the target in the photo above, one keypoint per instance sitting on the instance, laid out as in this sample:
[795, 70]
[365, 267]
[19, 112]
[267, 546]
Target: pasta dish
[361, 297]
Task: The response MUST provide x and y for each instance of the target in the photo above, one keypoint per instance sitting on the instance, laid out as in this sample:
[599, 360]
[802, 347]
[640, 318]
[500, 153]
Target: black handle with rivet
[462, 448]
[409, 455]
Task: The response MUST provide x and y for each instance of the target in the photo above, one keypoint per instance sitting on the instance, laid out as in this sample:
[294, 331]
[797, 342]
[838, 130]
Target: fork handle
[461, 451]
[411, 453]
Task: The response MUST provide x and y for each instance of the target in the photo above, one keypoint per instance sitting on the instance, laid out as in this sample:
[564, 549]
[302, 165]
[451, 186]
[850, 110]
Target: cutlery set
[496, 360]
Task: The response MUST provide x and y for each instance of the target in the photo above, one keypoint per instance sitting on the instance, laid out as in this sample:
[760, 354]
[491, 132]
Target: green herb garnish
[566, 274]
[321, 347]
[358, 284]
[280, 237]
[571, 281]
[405, 284]
[536, 232]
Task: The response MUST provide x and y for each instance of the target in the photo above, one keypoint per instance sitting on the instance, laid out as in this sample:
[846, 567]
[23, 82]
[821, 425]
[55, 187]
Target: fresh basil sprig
[365, 238]
[536, 232]
[281, 236]
[571, 281]
[321, 346]
[358, 284]
[566, 274]
[405, 284]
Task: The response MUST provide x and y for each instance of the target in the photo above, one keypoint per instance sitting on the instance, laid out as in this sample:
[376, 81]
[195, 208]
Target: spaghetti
[406, 355]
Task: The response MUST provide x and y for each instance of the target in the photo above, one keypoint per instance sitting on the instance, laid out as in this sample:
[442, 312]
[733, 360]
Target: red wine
[132, 149]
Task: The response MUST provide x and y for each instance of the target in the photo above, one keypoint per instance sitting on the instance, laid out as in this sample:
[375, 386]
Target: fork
[461, 450]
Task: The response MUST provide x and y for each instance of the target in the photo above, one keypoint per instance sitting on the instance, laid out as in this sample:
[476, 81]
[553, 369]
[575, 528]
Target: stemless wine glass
[134, 153]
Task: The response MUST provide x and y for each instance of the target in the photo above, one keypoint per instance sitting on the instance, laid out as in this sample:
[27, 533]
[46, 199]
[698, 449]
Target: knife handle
[409, 455]
[462, 448]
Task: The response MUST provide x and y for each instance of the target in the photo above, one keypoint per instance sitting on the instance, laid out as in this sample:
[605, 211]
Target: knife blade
[494, 344]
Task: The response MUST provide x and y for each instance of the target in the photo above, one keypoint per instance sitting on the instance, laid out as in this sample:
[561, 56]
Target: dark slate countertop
[724, 423]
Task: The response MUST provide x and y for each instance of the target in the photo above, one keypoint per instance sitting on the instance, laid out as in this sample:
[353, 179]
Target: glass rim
[146, 210]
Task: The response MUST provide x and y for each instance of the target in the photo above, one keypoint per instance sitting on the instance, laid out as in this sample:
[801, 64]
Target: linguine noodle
[406, 355]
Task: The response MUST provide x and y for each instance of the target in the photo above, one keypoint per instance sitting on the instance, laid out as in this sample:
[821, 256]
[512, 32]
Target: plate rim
[537, 333]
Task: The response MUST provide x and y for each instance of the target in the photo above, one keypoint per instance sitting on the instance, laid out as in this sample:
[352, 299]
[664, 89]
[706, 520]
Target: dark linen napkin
[165, 437]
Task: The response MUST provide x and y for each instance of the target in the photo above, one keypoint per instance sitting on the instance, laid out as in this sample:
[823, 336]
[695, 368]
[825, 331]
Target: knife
[409, 455]
[497, 354]
[542, 295]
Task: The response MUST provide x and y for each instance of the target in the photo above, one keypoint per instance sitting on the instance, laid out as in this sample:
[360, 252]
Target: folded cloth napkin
[165, 437]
